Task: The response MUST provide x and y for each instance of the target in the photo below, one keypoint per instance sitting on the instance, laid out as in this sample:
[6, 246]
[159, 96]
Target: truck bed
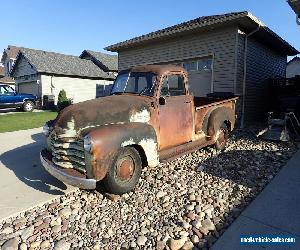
[201, 102]
[204, 104]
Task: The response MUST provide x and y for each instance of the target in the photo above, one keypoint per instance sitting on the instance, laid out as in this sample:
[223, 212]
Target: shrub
[63, 101]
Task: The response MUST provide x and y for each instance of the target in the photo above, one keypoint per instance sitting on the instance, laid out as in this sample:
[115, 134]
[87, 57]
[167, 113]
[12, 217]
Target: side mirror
[162, 100]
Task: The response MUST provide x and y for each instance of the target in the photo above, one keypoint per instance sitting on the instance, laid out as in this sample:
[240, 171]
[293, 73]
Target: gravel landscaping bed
[187, 203]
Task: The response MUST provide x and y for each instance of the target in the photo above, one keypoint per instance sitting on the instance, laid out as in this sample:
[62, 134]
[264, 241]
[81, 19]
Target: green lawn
[20, 121]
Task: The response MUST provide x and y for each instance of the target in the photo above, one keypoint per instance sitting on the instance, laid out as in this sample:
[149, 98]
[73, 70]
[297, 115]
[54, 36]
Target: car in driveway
[9, 98]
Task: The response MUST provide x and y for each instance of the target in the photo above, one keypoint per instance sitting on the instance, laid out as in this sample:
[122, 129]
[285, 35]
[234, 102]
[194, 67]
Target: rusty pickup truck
[150, 116]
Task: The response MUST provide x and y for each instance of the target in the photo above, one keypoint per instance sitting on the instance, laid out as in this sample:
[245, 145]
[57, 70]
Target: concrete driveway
[23, 181]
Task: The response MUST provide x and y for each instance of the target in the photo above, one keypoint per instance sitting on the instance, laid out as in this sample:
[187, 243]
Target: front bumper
[65, 177]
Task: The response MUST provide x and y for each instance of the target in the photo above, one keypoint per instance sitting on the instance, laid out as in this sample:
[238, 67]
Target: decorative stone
[65, 212]
[27, 232]
[177, 244]
[141, 240]
[62, 245]
[11, 244]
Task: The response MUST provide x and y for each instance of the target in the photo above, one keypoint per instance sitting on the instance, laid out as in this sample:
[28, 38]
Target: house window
[199, 65]
[7, 68]
[205, 65]
[191, 65]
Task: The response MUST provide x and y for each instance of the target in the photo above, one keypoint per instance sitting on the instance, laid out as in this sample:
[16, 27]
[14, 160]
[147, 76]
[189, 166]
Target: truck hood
[115, 109]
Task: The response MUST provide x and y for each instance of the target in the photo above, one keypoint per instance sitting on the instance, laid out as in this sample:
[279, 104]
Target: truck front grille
[67, 152]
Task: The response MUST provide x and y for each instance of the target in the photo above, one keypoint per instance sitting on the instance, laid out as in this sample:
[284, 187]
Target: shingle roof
[197, 24]
[61, 64]
[10, 52]
[296, 58]
[295, 5]
[110, 62]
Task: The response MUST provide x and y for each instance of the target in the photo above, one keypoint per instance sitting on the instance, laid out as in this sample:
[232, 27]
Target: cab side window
[3, 91]
[173, 85]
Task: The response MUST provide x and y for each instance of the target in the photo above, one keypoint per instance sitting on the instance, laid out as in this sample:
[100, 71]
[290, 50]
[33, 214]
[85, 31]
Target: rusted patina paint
[126, 120]
[107, 140]
[113, 109]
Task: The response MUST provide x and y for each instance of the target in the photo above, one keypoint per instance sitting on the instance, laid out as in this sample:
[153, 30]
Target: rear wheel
[125, 171]
[222, 137]
[28, 106]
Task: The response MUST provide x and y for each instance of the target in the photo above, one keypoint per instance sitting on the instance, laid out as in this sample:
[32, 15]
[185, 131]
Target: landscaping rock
[173, 205]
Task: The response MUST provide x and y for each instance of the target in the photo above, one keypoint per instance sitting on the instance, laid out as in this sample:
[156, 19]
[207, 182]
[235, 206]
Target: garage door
[28, 88]
[200, 75]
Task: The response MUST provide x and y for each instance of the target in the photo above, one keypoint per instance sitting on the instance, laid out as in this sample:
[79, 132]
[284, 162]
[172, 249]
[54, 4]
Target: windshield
[141, 83]
[6, 90]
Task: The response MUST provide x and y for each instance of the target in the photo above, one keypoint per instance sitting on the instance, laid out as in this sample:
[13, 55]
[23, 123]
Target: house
[293, 67]
[46, 73]
[233, 52]
[8, 58]
[295, 5]
[108, 63]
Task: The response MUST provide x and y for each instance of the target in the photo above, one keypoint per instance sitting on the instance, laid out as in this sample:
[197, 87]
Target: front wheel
[222, 137]
[124, 174]
[28, 106]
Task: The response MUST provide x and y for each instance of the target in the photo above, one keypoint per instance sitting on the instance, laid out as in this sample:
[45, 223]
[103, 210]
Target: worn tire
[223, 135]
[28, 106]
[124, 172]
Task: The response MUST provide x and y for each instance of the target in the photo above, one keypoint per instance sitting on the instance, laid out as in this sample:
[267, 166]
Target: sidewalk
[276, 210]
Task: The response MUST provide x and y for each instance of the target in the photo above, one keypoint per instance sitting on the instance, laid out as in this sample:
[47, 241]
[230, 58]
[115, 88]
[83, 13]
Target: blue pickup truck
[9, 98]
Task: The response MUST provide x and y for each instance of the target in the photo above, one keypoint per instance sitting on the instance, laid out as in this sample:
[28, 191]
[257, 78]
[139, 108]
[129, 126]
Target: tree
[63, 101]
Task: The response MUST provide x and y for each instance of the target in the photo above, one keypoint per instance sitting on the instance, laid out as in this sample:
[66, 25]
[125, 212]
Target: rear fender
[107, 140]
[217, 117]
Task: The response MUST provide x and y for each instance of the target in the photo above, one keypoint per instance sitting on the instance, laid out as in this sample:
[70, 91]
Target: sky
[70, 26]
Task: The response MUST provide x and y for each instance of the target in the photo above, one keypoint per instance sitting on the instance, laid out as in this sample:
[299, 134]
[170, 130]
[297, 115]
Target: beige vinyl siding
[293, 69]
[219, 43]
[263, 63]
[24, 68]
[76, 88]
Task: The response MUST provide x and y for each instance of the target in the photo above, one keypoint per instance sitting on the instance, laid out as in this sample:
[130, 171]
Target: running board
[171, 154]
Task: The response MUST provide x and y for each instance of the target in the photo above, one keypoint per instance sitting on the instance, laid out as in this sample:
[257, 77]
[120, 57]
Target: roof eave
[77, 76]
[295, 5]
[248, 21]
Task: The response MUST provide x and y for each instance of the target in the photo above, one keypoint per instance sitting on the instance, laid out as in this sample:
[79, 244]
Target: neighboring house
[216, 51]
[295, 5]
[293, 67]
[5, 79]
[8, 58]
[108, 63]
[46, 73]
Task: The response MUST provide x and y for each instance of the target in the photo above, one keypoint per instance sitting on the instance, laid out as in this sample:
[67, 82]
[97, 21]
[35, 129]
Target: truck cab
[150, 116]
[9, 98]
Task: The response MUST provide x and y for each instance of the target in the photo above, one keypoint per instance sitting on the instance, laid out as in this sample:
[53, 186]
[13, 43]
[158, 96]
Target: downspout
[245, 73]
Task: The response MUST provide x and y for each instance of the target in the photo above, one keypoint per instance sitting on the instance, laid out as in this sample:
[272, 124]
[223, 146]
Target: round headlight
[87, 143]
[46, 129]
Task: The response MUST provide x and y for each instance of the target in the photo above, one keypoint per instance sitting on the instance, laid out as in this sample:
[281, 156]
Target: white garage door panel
[28, 88]
[200, 83]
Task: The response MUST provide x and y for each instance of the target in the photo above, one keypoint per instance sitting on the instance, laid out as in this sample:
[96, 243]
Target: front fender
[108, 139]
